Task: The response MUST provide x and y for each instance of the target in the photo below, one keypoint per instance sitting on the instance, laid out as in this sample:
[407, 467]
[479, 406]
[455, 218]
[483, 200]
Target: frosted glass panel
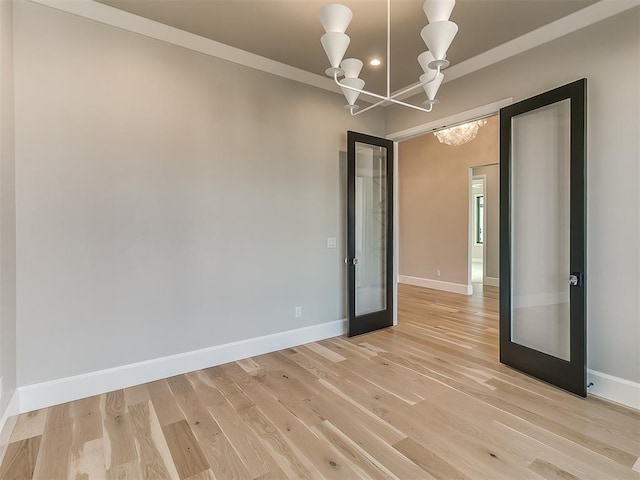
[371, 228]
[540, 229]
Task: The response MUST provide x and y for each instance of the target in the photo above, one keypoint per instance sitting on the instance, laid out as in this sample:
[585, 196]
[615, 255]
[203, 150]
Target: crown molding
[133, 23]
[563, 26]
[114, 17]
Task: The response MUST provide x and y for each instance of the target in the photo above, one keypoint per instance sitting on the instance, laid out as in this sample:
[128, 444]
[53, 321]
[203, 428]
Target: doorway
[478, 227]
[445, 228]
[555, 121]
[484, 226]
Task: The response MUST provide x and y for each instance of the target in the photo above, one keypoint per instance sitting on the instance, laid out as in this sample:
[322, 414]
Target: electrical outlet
[437, 273]
[298, 311]
[332, 242]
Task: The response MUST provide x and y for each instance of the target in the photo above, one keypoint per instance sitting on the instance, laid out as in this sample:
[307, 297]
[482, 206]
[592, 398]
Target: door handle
[575, 279]
[353, 261]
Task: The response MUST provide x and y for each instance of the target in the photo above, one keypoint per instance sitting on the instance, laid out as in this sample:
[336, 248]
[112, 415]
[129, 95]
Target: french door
[369, 233]
[543, 236]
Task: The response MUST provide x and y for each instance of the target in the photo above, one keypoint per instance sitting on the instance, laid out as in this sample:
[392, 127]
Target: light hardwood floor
[426, 399]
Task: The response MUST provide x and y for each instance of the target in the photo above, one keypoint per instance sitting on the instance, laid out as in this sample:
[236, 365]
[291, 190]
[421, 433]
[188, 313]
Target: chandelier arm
[359, 90]
[358, 112]
[384, 99]
[404, 104]
[372, 106]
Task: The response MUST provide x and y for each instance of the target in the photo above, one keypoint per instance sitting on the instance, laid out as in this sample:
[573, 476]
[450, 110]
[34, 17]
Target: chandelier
[460, 134]
[437, 35]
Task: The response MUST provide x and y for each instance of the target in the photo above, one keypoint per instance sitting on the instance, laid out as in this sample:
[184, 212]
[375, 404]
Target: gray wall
[7, 209]
[608, 55]
[166, 201]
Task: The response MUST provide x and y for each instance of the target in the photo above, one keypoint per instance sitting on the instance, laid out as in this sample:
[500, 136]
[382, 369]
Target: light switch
[332, 242]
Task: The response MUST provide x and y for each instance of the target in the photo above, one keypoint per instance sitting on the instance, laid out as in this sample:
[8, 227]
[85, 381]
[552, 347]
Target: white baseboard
[613, 388]
[491, 281]
[54, 392]
[436, 284]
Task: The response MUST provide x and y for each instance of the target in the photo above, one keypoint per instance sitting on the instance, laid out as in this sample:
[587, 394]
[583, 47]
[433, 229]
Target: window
[479, 234]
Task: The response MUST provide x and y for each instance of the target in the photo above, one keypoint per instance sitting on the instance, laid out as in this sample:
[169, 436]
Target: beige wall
[433, 203]
[7, 209]
[167, 201]
[608, 55]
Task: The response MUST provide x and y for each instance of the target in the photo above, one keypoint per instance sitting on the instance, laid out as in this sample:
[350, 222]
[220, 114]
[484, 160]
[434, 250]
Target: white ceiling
[288, 31]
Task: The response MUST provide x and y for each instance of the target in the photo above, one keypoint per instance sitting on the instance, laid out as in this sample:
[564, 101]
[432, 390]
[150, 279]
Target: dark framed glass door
[369, 233]
[543, 236]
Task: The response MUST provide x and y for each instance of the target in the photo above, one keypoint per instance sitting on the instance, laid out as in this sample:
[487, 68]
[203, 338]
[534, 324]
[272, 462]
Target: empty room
[282, 239]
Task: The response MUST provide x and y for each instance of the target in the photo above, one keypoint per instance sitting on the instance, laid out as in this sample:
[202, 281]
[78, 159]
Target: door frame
[472, 223]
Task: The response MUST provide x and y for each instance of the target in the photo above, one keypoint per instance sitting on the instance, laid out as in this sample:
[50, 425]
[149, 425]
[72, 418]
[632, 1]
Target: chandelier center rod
[388, 48]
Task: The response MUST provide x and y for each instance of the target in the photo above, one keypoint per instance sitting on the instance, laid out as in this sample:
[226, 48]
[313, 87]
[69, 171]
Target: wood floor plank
[252, 452]
[89, 462]
[125, 471]
[221, 456]
[207, 475]
[550, 471]
[363, 462]
[236, 397]
[20, 458]
[87, 423]
[561, 451]
[429, 461]
[29, 425]
[153, 451]
[119, 445]
[55, 449]
[187, 455]
[136, 394]
[575, 421]
[164, 403]
[347, 349]
[179, 385]
[326, 459]
[325, 352]
[285, 454]
[327, 405]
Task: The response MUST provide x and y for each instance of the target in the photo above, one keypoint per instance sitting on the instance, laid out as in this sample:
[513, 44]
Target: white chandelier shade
[438, 37]
[351, 67]
[335, 46]
[335, 17]
[352, 95]
[438, 10]
[425, 59]
[431, 88]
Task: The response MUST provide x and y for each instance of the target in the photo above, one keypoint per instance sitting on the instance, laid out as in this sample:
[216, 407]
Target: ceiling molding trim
[450, 121]
[582, 18]
[149, 28]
